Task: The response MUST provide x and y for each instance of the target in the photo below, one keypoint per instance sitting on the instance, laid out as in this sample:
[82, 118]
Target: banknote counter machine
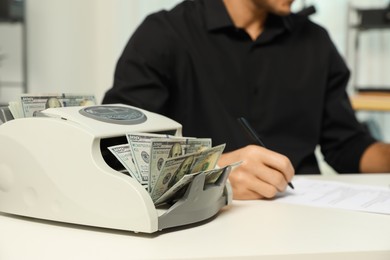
[57, 167]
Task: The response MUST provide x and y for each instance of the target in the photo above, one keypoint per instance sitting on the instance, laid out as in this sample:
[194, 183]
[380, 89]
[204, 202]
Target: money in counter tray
[163, 149]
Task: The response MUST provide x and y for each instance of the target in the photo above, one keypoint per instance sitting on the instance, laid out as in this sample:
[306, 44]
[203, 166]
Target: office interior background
[72, 46]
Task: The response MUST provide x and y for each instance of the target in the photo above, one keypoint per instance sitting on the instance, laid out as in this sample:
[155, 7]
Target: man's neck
[246, 15]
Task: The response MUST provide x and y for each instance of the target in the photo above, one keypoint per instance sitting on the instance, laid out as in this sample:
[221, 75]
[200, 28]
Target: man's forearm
[376, 159]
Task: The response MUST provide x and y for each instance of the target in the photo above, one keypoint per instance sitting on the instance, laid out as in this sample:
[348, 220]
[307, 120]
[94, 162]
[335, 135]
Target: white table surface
[244, 230]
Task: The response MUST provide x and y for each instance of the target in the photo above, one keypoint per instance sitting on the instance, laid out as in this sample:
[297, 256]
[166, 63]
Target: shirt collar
[217, 17]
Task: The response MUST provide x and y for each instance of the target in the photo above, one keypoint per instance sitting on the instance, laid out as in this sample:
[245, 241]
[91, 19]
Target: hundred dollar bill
[177, 165]
[175, 168]
[203, 161]
[179, 188]
[31, 104]
[140, 144]
[211, 177]
[208, 159]
[169, 194]
[163, 148]
[123, 154]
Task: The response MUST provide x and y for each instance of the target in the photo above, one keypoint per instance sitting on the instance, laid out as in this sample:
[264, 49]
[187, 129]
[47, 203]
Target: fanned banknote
[211, 176]
[172, 191]
[208, 159]
[162, 149]
[175, 168]
[140, 144]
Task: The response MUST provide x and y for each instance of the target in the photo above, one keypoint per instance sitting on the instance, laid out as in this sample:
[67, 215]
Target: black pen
[253, 135]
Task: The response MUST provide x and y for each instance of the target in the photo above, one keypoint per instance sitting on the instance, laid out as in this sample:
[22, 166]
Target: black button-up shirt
[193, 65]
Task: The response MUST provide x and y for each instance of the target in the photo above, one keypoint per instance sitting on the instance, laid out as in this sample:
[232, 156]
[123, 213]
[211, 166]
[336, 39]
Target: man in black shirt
[207, 62]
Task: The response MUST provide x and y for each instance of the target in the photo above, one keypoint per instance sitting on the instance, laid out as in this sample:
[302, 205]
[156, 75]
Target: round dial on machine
[114, 114]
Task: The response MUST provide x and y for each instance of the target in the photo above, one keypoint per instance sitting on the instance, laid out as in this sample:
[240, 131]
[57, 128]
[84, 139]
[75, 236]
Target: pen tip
[291, 186]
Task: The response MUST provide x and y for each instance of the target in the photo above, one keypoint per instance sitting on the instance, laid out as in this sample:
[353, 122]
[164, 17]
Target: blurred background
[54, 46]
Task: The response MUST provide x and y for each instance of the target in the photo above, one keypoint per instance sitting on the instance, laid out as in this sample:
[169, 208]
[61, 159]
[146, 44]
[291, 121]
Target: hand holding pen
[254, 136]
[263, 173]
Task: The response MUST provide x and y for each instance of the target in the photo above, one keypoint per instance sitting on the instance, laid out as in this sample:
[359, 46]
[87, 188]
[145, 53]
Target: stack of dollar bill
[165, 165]
[30, 105]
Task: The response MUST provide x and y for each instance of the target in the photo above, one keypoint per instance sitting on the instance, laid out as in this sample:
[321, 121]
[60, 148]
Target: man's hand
[262, 174]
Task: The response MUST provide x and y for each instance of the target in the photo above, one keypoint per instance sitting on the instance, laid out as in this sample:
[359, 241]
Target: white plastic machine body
[53, 167]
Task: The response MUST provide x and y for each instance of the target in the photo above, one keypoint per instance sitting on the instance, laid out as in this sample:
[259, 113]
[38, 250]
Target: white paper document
[342, 195]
